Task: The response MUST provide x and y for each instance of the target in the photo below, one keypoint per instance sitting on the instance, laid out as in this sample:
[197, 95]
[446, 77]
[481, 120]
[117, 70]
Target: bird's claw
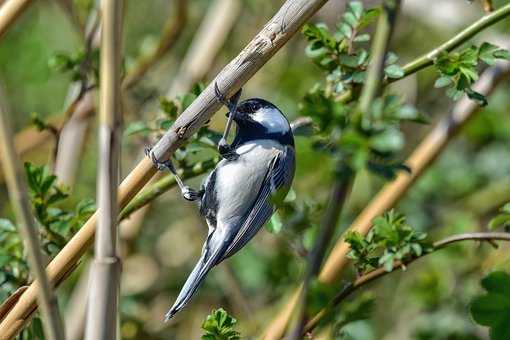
[160, 165]
[231, 103]
[226, 151]
[190, 194]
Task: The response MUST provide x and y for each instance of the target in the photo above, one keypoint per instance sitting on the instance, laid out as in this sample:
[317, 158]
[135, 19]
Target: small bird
[238, 197]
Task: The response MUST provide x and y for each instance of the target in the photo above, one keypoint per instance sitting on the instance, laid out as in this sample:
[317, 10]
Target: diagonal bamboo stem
[9, 12]
[286, 22]
[422, 157]
[105, 275]
[53, 326]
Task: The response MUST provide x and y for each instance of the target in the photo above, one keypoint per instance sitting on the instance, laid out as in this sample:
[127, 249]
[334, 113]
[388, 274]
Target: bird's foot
[231, 103]
[160, 165]
[189, 194]
[226, 151]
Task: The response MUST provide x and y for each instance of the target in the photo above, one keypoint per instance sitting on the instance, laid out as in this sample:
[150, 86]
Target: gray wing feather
[278, 177]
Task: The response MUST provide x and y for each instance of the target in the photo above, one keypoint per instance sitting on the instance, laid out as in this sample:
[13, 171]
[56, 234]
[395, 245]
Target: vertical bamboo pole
[103, 300]
[53, 326]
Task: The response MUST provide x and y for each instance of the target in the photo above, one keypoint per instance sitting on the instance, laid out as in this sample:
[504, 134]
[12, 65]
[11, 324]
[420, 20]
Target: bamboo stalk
[422, 157]
[102, 306]
[286, 22]
[53, 326]
[9, 12]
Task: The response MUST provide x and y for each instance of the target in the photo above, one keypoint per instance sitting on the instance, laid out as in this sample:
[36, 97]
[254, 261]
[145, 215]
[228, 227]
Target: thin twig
[18, 194]
[469, 32]
[380, 272]
[291, 16]
[171, 32]
[102, 314]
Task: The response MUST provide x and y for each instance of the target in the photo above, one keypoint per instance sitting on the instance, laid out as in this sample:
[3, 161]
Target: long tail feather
[206, 262]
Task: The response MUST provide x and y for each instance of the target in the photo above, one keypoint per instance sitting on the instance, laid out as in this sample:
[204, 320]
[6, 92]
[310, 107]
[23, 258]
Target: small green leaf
[219, 325]
[394, 71]
[442, 82]
[356, 8]
[275, 225]
[362, 38]
[493, 308]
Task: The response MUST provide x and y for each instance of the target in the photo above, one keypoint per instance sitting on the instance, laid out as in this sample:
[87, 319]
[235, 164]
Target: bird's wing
[277, 181]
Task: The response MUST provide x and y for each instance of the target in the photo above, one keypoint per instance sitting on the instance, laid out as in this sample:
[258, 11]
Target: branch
[9, 12]
[380, 272]
[469, 32]
[171, 32]
[291, 16]
[18, 194]
[102, 306]
[422, 157]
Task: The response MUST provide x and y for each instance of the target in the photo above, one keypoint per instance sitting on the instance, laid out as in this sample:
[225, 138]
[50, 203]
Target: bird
[238, 197]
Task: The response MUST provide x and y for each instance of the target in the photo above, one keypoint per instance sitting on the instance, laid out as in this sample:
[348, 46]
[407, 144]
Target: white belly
[238, 182]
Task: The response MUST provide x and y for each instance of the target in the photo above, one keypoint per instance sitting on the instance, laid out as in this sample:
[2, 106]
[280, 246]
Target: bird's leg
[187, 192]
[224, 148]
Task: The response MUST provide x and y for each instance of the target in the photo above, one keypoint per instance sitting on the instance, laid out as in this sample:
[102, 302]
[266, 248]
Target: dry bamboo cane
[286, 22]
[53, 326]
[102, 306]
[9, 12]
[422, 157]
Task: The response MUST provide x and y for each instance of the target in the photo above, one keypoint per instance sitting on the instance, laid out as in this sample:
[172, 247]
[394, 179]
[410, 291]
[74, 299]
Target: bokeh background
[464, 188]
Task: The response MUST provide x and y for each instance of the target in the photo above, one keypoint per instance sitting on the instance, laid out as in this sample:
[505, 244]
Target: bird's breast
[238, 182]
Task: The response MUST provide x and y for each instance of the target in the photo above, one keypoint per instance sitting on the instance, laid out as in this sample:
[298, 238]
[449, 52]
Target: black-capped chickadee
[236, 199]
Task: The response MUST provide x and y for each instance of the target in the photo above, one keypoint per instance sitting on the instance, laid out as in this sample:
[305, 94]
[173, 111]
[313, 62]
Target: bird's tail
[206, 262]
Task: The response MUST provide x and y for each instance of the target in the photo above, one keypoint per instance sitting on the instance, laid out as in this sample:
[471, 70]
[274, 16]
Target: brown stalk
[102, 314]
[18, 193]
[422, 157]
[291, 16]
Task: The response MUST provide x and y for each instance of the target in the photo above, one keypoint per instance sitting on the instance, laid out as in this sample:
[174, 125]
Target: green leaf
[394, 71]
[388, 141]
[350, 19]
[356, 8]
[502, 54]
[442, 82]
[275, 225]
[169, 107]
[362, 38]
[493, 308]
[219, 325]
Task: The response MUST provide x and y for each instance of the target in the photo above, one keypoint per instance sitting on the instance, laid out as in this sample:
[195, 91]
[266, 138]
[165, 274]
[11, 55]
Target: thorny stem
[380, 272]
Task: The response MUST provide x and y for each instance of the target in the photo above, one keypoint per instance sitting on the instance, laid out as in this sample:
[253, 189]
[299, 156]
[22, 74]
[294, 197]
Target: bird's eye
[254, 107]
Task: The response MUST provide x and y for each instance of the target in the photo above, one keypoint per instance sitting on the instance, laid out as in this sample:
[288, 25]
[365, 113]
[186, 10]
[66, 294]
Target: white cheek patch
[272, 119]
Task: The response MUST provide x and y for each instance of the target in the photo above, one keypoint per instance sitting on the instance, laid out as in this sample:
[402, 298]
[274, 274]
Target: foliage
[360, 308]
[342, 54]
[391, 239]
[493, 308]
[459, 70]
[502, 219]
[80, 65]
[219, 325]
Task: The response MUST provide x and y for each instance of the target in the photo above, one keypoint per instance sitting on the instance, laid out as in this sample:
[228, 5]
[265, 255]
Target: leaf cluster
[79, 65]
[502, 220]
[219, 325]
[342, 53]
[459, 70]
[371, 140]
[493, 308]
[391, 239]
[57, 224]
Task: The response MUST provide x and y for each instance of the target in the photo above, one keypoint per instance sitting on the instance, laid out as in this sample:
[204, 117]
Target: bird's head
[259, 119]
